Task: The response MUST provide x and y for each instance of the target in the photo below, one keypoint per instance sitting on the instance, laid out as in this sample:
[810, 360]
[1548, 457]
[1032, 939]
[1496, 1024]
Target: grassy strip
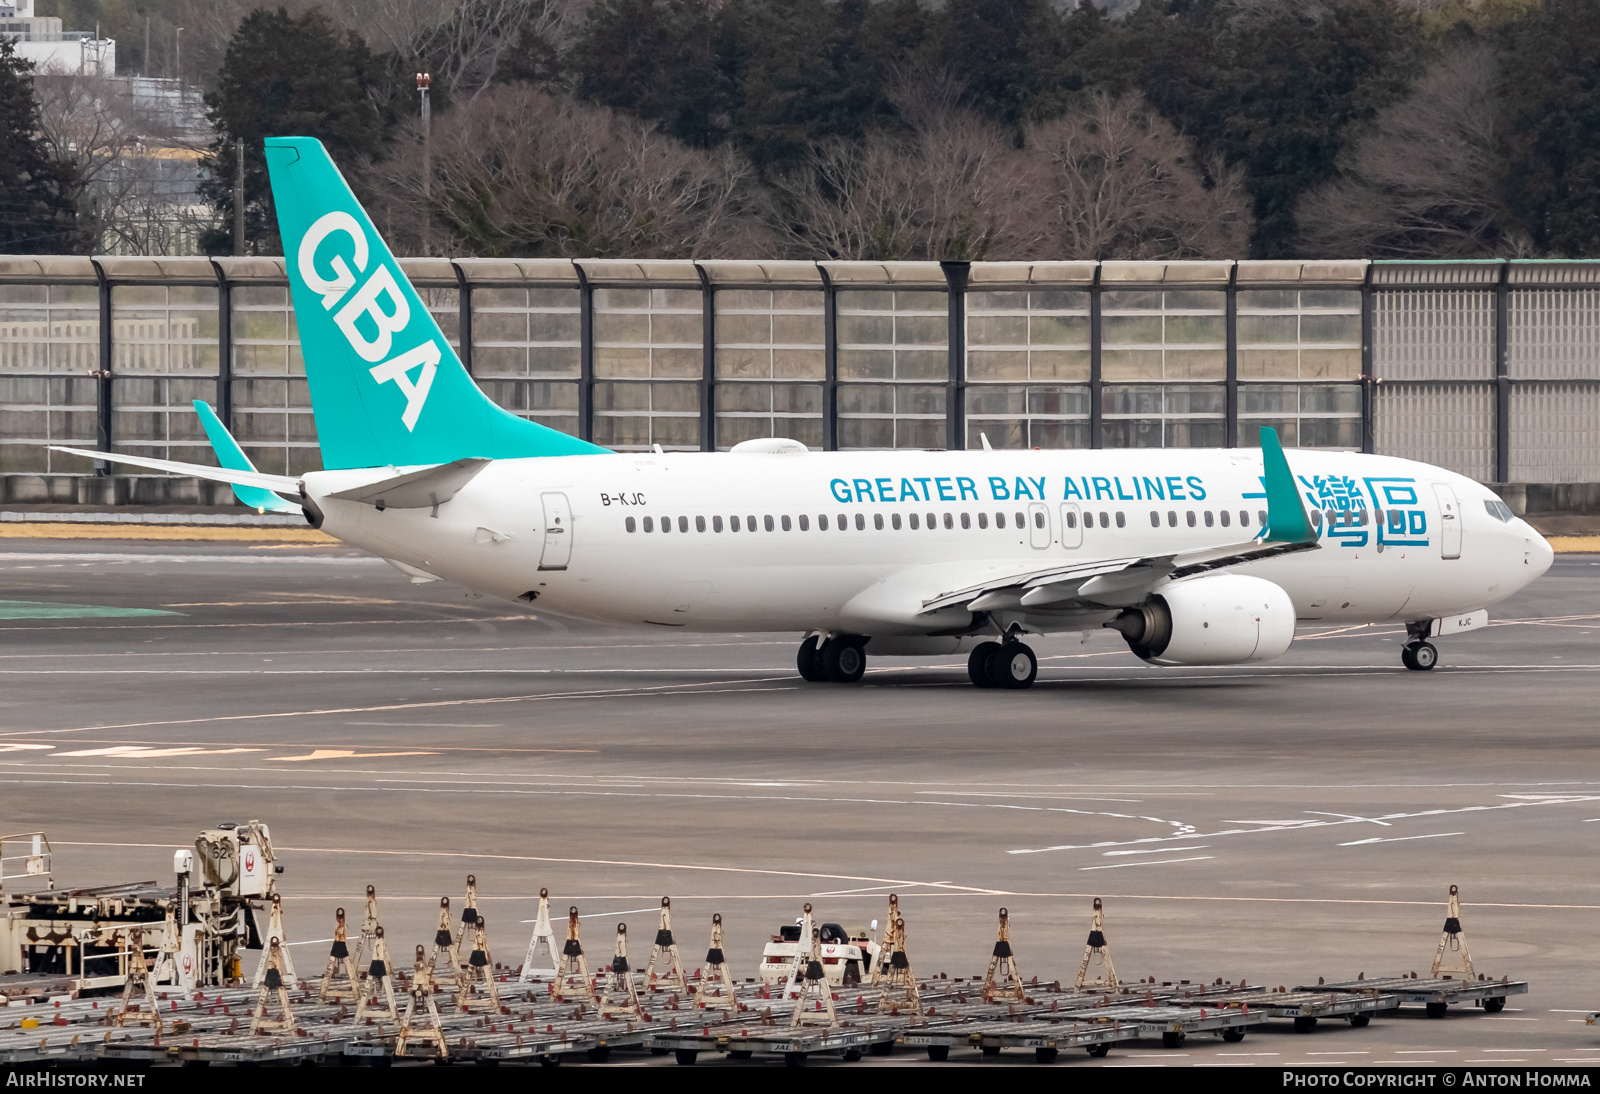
[213, 532]
[1575, 545]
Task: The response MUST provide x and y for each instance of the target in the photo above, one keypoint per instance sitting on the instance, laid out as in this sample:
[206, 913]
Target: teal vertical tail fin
[231, 456]
[386, 388]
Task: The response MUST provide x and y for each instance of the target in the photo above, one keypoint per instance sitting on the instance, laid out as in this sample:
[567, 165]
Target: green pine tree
[37, 215]
[285, 76]
[1550, 81]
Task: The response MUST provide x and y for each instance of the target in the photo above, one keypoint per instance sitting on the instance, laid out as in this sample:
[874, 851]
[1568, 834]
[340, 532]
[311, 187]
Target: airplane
[1194, 556]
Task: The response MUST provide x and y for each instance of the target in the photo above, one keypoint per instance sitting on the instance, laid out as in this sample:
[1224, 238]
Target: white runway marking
[1302, 827]
[435, 704]
[1109, 854]
[1157, 862]
[432, 725]
[1398, 839]
[1347, 816]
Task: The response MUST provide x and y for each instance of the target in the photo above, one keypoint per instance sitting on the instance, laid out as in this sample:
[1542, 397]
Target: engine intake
[1224, 619]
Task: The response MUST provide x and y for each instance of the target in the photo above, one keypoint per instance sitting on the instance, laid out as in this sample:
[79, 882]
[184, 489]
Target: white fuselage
[857, 541]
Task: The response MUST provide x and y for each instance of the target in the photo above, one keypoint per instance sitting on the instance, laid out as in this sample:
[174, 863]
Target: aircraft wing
[1119, 581]
[281, 483]
[1112, 580]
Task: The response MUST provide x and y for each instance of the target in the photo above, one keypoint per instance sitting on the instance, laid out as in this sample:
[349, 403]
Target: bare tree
[950, 188]
[1427, 181]
[466, 44]
[519, 172]
[134, 158]
[1121, 182]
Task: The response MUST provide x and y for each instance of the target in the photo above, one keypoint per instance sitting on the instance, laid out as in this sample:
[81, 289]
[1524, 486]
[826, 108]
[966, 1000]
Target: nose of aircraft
[1537, 552]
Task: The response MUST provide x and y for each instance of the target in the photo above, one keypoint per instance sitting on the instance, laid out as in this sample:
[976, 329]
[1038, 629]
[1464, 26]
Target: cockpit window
[1499, 510]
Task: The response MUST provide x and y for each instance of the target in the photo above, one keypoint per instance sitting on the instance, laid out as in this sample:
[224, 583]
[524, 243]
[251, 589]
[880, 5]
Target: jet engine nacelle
[1224, 619]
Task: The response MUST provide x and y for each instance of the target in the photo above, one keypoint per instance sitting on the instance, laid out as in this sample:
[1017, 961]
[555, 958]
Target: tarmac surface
[1276, 823]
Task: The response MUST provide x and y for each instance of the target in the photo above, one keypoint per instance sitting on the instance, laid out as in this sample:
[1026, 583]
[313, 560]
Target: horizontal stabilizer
[417, 489]
[280, 483]
[231, 456]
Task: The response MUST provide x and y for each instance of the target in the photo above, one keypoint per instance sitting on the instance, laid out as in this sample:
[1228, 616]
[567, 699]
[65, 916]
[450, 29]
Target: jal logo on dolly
[370, 316]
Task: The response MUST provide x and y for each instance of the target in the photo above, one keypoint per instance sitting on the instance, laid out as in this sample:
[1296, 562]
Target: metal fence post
[955, 278]
[224, 346]
[1096, 413]
[1230, 428]
[585, 355]
[830, 363]
[464, 317]
[103, 374]
[1502, 375]
[708, 362]
[1369, 381]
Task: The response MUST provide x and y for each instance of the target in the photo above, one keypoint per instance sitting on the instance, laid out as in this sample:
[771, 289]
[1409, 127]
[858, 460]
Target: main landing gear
[1419, 656]
[1008, 664]
[840, 660]
[843, 658]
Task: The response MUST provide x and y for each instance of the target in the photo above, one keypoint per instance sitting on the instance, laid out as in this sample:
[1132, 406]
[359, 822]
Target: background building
[40, 40]
[1488, 368]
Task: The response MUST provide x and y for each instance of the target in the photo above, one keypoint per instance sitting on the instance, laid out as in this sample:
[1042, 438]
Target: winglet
[231, 456]
[1286, 513]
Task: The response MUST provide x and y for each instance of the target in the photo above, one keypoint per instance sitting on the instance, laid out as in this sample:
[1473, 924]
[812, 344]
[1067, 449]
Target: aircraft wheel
[1013, 665]
[1419, 656]
[844, 659]
[809, 661]
[978, 664]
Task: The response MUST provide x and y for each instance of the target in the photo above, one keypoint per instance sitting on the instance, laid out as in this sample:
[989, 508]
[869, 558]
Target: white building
[40, 40]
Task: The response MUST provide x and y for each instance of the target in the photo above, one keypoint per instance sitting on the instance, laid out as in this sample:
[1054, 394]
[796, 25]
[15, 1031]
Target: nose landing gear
[1419, 656]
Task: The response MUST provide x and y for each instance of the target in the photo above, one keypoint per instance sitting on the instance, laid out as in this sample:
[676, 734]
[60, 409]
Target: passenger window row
[1223, 517]
[1071, 519]
[932, 521]
[843, 522]
[1354, 518]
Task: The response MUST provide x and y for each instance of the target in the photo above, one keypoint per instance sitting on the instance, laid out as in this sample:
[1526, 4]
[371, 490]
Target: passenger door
[557, 532]
[1039, 526]
[1449, 521]
[1071, 530]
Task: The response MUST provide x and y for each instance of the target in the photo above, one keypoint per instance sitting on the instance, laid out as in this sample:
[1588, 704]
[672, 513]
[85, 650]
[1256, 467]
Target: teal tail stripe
[231, 456]
[387, 389]
[1286, 513]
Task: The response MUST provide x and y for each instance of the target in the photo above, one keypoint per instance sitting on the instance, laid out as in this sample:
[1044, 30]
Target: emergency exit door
[1071, 530]
[1449, 521]
[1039, 526]
[557, 532]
